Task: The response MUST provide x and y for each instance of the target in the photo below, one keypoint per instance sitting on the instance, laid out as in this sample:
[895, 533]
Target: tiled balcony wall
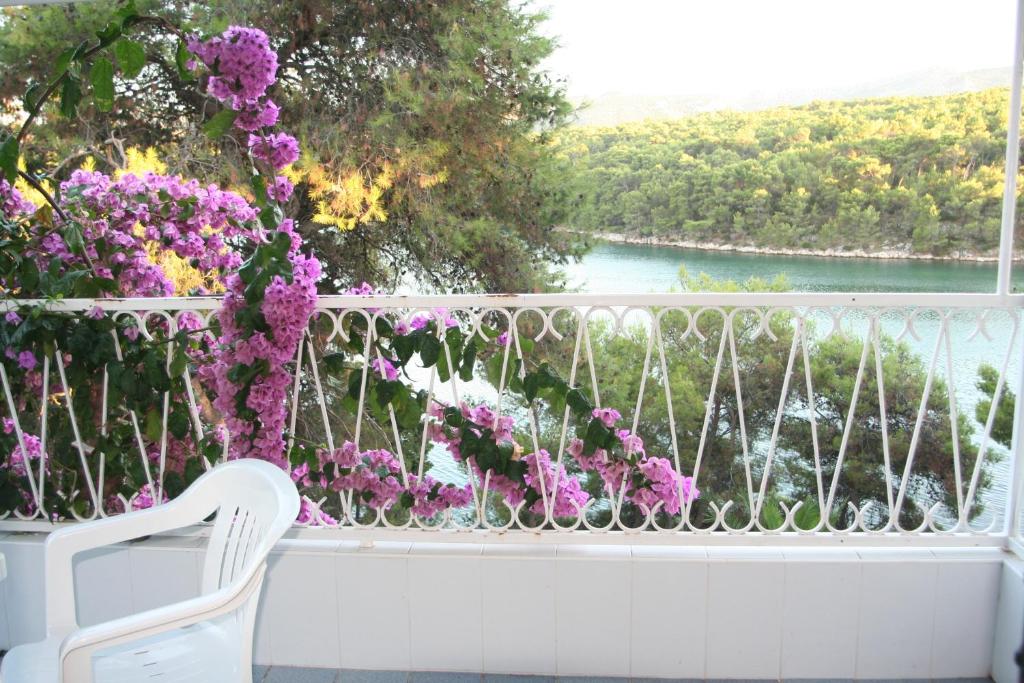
[629, 611]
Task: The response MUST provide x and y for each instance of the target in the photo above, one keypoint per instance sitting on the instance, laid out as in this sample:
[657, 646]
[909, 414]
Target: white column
[1012, 159]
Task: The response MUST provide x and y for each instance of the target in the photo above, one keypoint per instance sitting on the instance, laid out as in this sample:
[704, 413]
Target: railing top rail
[784, 299]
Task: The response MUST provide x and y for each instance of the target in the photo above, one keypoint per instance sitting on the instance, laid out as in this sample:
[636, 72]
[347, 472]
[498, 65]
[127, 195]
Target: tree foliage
[426, 126]
[915, 174]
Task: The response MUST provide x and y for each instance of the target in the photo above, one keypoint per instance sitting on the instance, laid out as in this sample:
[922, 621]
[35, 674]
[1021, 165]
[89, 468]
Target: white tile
[519, 615]
[966, 593]
[301, 609]
[388, 548]
[165, 573]
[744, 618]
[1009, 622]
[669, 615]
[594, 552]
[820, 618]
[821, 554]
[592, 598]
[670, 553]
[446, 549]
[445, 608]
[897, 617]
[24, 588]
[103, 584]
[731, 553]
[521, 551]
[373, 610]
[896, 554]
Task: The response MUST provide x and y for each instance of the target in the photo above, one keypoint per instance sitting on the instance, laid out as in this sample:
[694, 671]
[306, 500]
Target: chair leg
[247, 630]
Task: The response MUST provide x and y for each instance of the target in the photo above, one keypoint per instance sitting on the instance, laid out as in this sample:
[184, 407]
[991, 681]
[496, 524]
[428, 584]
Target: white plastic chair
[207, 638]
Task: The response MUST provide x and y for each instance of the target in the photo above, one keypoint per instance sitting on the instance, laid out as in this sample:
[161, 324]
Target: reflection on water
[630, 268]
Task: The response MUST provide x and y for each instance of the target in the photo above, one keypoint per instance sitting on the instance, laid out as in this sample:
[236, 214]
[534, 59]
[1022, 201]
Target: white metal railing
[850, 417]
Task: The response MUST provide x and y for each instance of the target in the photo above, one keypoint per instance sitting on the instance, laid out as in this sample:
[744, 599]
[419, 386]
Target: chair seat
[203, 653]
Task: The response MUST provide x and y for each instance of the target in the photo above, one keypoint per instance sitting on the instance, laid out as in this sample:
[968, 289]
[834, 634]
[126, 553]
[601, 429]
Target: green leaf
[444, 373]
[154, 424]
[579, 403]
[69, 55]
[404, 347]
[9, 158]
[29, 272]
[430, 351]
[109, 33]
[386, 392]
[127, 12]
[178, 423]
[31, 96]
[382, 325]
[334, 363]
[594, 437]
[178, 361]
[155, 373]
[219, 123]
[131, 57]
[102, 77]
[70, 95]
[355, 384]
[468, 362]
[181, 58]
[73, 238]
[259, 189]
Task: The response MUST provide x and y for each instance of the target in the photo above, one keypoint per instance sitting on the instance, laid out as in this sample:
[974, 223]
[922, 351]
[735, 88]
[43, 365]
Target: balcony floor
[283, 674]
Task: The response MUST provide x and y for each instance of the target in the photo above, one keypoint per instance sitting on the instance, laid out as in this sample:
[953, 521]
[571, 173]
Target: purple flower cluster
[431, 497]
[193, 221]
[243, 67]
[145, 498]
[277, 149]
[608, 416]
[384, 367]
[26, 359]
[309, 515]
[12, 204]
[16, 460]
[373, 476]
[438, 314]
[568, 495]
[657, 480]
[280, 190]
[287, 308]
[242, 63]
[256, 116]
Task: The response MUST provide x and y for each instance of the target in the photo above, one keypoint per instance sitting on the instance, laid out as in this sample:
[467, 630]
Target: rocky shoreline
[891, 254]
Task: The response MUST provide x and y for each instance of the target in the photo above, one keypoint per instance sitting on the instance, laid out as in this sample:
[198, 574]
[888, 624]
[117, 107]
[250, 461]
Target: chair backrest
[256, 503]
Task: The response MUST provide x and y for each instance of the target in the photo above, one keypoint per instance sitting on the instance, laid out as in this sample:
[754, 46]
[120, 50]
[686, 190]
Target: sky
[719, 47]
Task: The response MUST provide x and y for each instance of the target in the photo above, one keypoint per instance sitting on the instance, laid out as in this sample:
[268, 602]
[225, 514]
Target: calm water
[626, 268]
[630, 268]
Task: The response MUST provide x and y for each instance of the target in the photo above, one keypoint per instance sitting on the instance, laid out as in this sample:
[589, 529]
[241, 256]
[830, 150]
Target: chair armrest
[62, 545]
[77, 649]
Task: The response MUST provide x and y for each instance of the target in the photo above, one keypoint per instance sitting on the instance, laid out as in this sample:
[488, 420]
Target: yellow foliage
[29, 192]
[347, 199]
[139, 162]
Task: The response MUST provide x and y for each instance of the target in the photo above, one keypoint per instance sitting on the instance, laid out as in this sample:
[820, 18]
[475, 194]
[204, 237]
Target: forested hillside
[922, 175]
